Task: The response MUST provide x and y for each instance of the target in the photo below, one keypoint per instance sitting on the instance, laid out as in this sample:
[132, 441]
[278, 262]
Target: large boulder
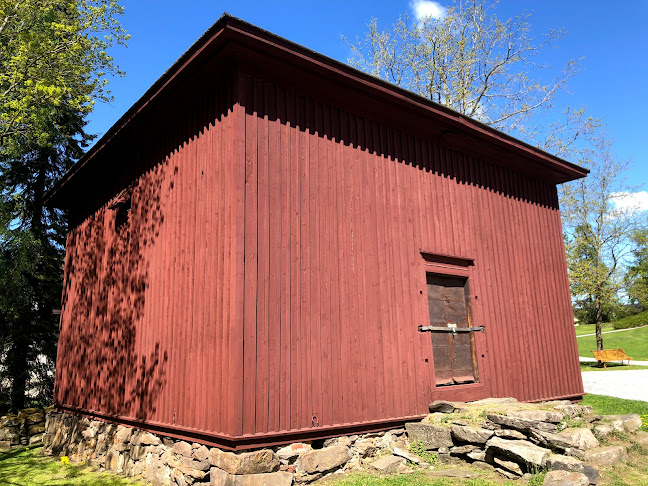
[538, 415]
[472, 435]
[566, 463]
[565, 478]
[256, 462]
[606, 456]
[431, 436]
[521, 424]
[323, 460]
[218, 477]
[582, 439]
[631, 422]
[521, 451]
[387, 464]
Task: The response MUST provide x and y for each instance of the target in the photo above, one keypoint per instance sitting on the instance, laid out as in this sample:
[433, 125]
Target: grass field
[26, 467]
[591, 328]
[604, 405]
[610, 367]
[634, 341]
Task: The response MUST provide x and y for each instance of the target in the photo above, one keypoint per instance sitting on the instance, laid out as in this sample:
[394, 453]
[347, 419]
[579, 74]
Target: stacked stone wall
[24, 428]
[512, 438]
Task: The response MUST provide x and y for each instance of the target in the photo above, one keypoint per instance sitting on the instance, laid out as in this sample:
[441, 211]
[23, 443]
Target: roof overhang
[256, 49]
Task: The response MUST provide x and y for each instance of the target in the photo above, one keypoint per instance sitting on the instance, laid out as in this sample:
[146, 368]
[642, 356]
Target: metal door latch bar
[453, 330]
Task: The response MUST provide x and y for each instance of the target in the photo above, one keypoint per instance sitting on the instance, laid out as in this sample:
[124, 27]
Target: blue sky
[610, 36]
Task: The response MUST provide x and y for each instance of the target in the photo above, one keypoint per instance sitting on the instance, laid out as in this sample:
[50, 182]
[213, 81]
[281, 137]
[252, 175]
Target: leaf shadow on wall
[107, 275]
[112, 358]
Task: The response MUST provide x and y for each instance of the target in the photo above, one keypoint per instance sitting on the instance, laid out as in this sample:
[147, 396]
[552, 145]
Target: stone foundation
[23, 429]
[512, 438]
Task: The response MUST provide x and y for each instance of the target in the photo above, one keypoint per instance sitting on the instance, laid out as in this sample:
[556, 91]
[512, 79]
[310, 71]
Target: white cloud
[631, 200]
[424, 9]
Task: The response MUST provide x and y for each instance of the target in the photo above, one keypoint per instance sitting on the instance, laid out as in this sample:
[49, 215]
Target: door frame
[463, 267]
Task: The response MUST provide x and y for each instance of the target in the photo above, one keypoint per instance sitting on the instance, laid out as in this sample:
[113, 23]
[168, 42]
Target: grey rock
[477, 455]
[407, 455]
[182, 448]
[566, 463]
[509, 434]
[323, 460]
[431, 436]
[571, 410]
[387, 464]
[218, 477]
[606, 456]
[338, 441]
[5, 445]
[123, 434]
[292, 452]
[582, 439]
[200, 453]
[602, 431]
[538, 415]
[509, 465]
[148, 439]
[507, 473]
[189, 463]
[35, 439]
[464, 449]
[446, 407]
[565, 478]
[256, 462]
[472, 435]
[365, 447]
[521, 424]
[631, 422]
[36, 429]
[641, 438]
[302, 478]
[519, 450]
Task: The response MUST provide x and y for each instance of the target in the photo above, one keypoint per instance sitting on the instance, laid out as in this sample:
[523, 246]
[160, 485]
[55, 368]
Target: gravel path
[631, 384]
[609, 332]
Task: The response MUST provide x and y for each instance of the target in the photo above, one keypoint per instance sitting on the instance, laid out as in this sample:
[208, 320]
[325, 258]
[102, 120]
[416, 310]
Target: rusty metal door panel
[453, 353]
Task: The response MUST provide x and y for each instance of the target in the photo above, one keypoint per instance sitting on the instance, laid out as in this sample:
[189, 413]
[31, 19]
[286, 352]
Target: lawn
[27, 467]
[422, 479]
[593, 366]
[604, 405]
[634, 341]
[591, 328]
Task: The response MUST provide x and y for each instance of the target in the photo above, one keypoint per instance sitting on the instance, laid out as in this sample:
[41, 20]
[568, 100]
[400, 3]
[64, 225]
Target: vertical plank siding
[270, 277]
[345, 207]
[150, 326]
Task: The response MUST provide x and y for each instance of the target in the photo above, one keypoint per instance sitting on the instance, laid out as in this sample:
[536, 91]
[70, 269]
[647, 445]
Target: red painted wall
[271, 282]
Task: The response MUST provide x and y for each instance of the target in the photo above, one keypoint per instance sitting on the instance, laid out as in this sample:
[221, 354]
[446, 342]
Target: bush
[629, 322]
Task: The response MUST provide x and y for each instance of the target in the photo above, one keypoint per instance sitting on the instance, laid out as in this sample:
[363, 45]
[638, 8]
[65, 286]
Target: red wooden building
[270, 246]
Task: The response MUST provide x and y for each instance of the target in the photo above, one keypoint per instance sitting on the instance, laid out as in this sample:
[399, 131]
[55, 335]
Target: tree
[469, 60]
[637, 276]
[597, 230]
[53, 65]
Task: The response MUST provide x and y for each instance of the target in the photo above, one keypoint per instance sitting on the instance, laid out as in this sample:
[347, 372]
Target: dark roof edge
[226, 20]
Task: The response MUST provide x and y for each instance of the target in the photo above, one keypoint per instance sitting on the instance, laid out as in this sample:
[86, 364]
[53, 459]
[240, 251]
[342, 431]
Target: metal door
[453, 339]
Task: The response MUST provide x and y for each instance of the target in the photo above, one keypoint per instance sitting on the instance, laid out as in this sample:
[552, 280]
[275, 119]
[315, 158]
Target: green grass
[610, 367]
[591, 328]
[635, 343]
[414, 479]
[604, 405]
[26, 467]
